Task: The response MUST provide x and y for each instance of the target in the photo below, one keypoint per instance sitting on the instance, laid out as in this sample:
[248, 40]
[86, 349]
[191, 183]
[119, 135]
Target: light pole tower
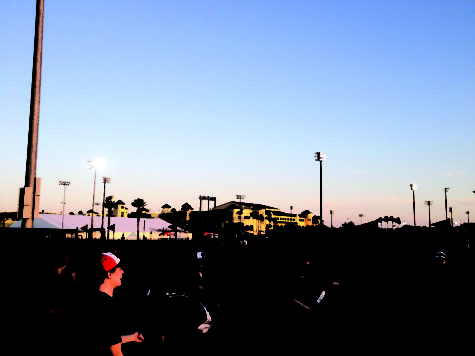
[413, 188]
[320, 157]
[331, 218]
[429, 203]
[28, 204]
[361, 217]
[105, 180]
[446, 190]
[64, 183]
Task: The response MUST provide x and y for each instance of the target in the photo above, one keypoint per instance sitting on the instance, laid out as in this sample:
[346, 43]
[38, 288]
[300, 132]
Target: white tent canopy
[150, 228]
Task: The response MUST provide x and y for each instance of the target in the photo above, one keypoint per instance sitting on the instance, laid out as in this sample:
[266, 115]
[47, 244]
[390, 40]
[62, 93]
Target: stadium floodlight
[429, 203]
[413, 188]
[361, 217]
[321, 157]
[64, 183]
[105, 180]
[445, 191]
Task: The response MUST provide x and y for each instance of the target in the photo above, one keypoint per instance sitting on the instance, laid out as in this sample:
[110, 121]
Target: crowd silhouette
[332, 291]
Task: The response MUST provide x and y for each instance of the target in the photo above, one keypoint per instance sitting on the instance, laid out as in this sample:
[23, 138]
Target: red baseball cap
[109, 261]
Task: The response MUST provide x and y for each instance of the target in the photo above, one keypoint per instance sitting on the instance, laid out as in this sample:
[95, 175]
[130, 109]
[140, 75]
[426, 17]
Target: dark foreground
[393, 296]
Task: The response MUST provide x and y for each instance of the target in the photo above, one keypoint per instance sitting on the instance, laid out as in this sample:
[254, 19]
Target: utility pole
[446, 190]
[28, 203]
[429, 203]
[105, 180]
[413, 188]
[320, 157]
[64, 183]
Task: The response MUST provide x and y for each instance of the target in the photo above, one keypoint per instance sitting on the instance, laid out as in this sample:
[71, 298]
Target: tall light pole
[413, 188]
[429, 203]
[468, 216]
[97, 163]
[105, 180]
[91, 166]
[446, 190]
[320, 157]
[28, 203]
[64, 183]
[331, 218]
[361, 217]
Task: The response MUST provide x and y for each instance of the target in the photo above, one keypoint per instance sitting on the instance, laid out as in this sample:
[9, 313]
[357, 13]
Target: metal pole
[32, 149]
[321, 211]
[93, 201]
[103, 201]
[446, 217]
[64, 206]
[414, 205]
[429, 217]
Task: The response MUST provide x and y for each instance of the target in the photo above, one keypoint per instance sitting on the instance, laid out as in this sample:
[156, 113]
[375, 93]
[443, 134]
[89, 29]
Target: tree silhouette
[109, 204]
[255, 215]
[391, 219]
[397, 221]
[270, 219]
[140, 205]
[92, 212]
[260, 219]
[185, 208]
[348, 225]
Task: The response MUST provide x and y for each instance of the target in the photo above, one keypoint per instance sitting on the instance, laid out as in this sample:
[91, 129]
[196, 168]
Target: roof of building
[236, 205]
[54, 221]
[120, 202]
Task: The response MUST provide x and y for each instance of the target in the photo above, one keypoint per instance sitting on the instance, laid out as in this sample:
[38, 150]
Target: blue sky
[233, 97]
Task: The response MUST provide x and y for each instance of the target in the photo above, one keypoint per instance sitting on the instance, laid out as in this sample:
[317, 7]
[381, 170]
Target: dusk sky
[189, 98]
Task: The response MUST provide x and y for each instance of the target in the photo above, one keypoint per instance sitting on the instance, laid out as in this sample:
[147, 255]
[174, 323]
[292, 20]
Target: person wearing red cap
[113, 277]
[107, 334]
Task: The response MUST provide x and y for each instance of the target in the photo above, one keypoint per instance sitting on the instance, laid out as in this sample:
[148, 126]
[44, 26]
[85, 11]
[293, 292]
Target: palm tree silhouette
[255, 215]
[397, 220]
[140, 205]
[391, 218]
[260, 219]
[109, 204]
[185, 208]
[270, 219]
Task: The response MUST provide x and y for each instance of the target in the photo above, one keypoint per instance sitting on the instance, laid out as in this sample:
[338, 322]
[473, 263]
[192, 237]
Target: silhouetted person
[103, 327]
[55, 298]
